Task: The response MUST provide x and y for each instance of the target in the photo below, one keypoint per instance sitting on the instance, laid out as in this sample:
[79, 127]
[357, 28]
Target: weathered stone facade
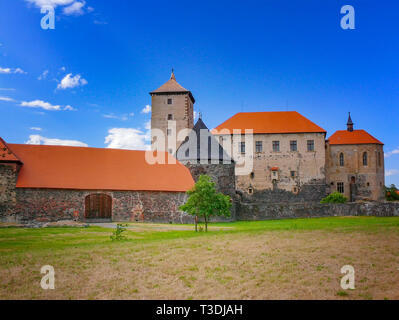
[8, 180]
[293, 169]
[47, 205]
[360, 181]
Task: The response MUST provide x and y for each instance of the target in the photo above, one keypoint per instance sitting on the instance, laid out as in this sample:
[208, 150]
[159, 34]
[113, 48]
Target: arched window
[341, 159]
[365, 159]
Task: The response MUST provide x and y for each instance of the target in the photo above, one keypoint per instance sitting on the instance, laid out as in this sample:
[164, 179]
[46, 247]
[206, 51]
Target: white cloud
[146, 109]
[43, 75]
[7, 89]
[11, 70]
[71, 82]
[53, 3]
[74, 9]
[391, 172]
[7, 99]
[127, 138]
[36, 128]
[37, 139]
[390, 153]
[45, 105]
[147, 126]
[122, 117]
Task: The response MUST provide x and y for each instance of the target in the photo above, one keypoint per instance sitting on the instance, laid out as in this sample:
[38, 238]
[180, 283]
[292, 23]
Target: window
[170, 150]
[170, 116]
[310, 145]
[169, 132]
[365, 159]
[258, 146]
[242, 147]
[379, 159]
[170, 101]
[340, 187]
[341, 159]
[252, 175]
[276, 146]
[293, 174]
[187, 152]
[250, 190]
[293, 145]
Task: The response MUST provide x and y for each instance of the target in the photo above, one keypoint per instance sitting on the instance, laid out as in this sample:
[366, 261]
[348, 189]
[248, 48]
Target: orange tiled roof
[353, 137]
[270, 122]
[60, 167]
[274, 169]
[6, 154]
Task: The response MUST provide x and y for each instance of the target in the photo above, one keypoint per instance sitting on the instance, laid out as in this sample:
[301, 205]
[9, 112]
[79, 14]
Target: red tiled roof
[352, 137]
[60, 167]
[270, 122]
[274, 169]
[172, 86]
[6, 154]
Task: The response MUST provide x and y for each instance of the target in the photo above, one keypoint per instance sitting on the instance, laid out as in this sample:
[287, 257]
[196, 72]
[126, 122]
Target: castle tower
[172, 111]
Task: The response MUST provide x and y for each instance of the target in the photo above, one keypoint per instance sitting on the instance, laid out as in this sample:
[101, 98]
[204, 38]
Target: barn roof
[270, 122]
[60, 167]
[352, 137]
[6, 154]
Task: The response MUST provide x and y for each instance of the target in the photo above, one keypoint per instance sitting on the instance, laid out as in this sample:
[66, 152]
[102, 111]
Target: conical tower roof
[172, 86]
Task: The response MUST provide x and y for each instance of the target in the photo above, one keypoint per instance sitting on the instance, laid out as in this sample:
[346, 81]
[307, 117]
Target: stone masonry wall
[53, 205]
[8, 179]
[266, 211]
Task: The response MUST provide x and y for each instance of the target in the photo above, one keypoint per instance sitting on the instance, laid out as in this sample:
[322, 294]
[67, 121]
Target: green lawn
[282, 259]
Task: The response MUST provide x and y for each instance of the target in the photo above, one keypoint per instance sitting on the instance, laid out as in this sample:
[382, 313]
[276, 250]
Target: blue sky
[233, 56]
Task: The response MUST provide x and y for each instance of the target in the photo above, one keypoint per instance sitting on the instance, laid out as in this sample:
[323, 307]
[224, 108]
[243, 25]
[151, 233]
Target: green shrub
[117, 234]
[391, 193]
[335, 197]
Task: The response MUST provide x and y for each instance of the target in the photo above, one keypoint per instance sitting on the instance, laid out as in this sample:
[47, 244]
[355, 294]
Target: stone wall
[8, 180]
[266, 211]
[53, 205]
[224, 177]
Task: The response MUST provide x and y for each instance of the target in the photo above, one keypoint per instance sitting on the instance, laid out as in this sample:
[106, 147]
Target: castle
[258, 158]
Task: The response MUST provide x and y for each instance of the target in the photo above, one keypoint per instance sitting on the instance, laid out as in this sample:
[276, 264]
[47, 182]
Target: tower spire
[349, 124]
[172, 76]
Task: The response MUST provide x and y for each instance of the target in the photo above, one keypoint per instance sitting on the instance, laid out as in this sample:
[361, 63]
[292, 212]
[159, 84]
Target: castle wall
[309, 166]
[369, 180]
[47, 205]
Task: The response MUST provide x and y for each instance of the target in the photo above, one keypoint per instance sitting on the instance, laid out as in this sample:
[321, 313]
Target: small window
[310, 145]
[250, 191]
[187, 152]
[258, 146]
[341, 159]
[170, 101]
[293, 145]
[170, 150]
[379, 159]
[340, 187]
[293, 174]
[276, 146]
[169, 132]
[365, 159]
[368, 184]
[242, 147]
[170, 116]
[252, 175]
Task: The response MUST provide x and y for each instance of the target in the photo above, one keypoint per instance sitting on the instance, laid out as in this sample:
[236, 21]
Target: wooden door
[98, 206]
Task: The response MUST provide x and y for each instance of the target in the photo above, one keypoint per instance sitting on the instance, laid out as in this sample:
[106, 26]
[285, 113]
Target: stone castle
[272, 164]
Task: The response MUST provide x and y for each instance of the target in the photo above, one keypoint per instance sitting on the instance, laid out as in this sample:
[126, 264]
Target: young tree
[204, 201]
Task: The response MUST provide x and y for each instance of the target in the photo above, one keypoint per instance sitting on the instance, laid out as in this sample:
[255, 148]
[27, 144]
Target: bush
[335, 197]
[117, 233]
[391, 193]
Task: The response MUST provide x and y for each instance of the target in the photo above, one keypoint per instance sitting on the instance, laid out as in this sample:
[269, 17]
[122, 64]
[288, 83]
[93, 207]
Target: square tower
[172, 110]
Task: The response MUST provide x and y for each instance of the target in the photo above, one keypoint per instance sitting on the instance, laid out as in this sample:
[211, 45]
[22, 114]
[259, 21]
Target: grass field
[279, 259]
